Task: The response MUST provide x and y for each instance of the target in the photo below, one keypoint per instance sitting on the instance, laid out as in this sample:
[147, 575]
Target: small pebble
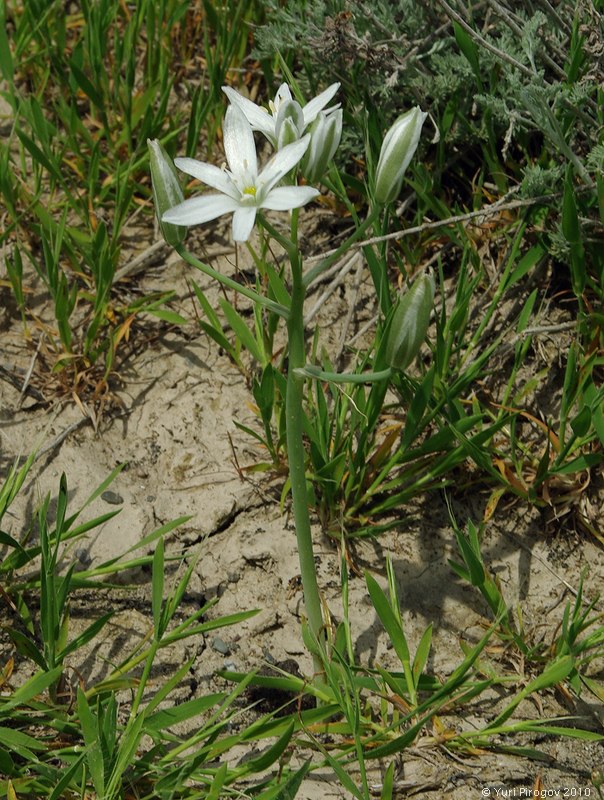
[113, 498]
[220, 646]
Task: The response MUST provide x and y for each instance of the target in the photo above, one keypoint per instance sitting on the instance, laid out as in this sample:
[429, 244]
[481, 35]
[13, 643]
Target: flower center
[251, 190]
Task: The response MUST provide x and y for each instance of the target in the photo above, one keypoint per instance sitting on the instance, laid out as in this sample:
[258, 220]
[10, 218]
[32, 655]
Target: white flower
[242, 189]
[273, 125]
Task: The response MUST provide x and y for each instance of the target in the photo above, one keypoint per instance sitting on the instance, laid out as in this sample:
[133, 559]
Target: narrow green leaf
[422, 653]
[26, 647]
[87, 86]
[388, 784]
[241, 330]
[217, 783]
[6, 58]
[157, 598]
[289, 788]
[272, 754]
[183, 711]
[468, 47]
[91, 734]
[167, 316]
[86, 636]
[388, 619]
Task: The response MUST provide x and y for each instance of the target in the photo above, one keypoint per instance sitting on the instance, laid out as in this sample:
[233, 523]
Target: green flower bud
[289, 124]
[398, 147]
[167, 191]
[325, 135]
[409, 323]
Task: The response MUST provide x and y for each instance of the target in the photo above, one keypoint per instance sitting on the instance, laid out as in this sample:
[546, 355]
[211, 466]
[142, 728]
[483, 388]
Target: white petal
[200, 209]
[319, 102]
[207, 173]
[243, 222]
[283, 94]
[259, 119]
[282, 198]
[281, 163]
[239, 145]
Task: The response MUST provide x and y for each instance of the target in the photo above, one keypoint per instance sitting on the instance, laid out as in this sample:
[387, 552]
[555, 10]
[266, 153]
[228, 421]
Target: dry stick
[158, 248]
[487, 45]
[561, 326]
[62, 436]
[508, 18]
[494, 208]
[141, 259]
[342, 271]
[30, 371]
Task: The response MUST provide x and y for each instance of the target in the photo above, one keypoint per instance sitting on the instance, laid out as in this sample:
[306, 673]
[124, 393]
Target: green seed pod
[398, 147]
[167, 191]
[409, 323]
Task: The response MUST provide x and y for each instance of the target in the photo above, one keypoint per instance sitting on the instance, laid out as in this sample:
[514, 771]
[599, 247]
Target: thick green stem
[296, 452]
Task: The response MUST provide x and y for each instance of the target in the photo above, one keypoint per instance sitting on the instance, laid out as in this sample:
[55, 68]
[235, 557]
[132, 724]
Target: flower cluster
[242, 187]
[304, 137]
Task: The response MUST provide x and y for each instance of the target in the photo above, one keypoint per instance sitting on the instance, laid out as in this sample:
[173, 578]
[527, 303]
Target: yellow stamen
[251, 190]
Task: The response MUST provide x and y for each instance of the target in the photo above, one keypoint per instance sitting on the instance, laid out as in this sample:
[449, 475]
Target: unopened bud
[289, 124]
[325, 135]
[398, 147]
[167, 191]
[409, 323]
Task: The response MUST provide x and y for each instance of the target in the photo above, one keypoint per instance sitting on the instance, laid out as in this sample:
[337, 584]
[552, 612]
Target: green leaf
[86, 636]
[31, 688]
[272, 754]
[468, 47]
[289, 789]
[422, 653]
[241, 330]
[182, 712]
[91, 734]
[157, 598]
[87, 86]
[167, 316]
[388, 783]
[6, 58]
[388, 619]
[26, 647]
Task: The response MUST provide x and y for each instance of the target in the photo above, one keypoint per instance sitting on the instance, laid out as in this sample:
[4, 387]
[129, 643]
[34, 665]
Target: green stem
[277, 308]
[296, 452]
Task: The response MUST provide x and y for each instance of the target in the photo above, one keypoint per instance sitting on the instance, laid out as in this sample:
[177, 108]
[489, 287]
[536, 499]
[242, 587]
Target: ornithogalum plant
[305, 140]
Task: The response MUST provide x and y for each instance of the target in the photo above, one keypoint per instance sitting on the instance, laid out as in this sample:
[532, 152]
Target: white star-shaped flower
[243, 190]
[283, 107]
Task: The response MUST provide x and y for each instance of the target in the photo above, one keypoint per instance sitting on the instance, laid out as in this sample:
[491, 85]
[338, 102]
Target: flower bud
[410, 323]
[398, 147]
[167, 191]
[325, 135]
[289, 124]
